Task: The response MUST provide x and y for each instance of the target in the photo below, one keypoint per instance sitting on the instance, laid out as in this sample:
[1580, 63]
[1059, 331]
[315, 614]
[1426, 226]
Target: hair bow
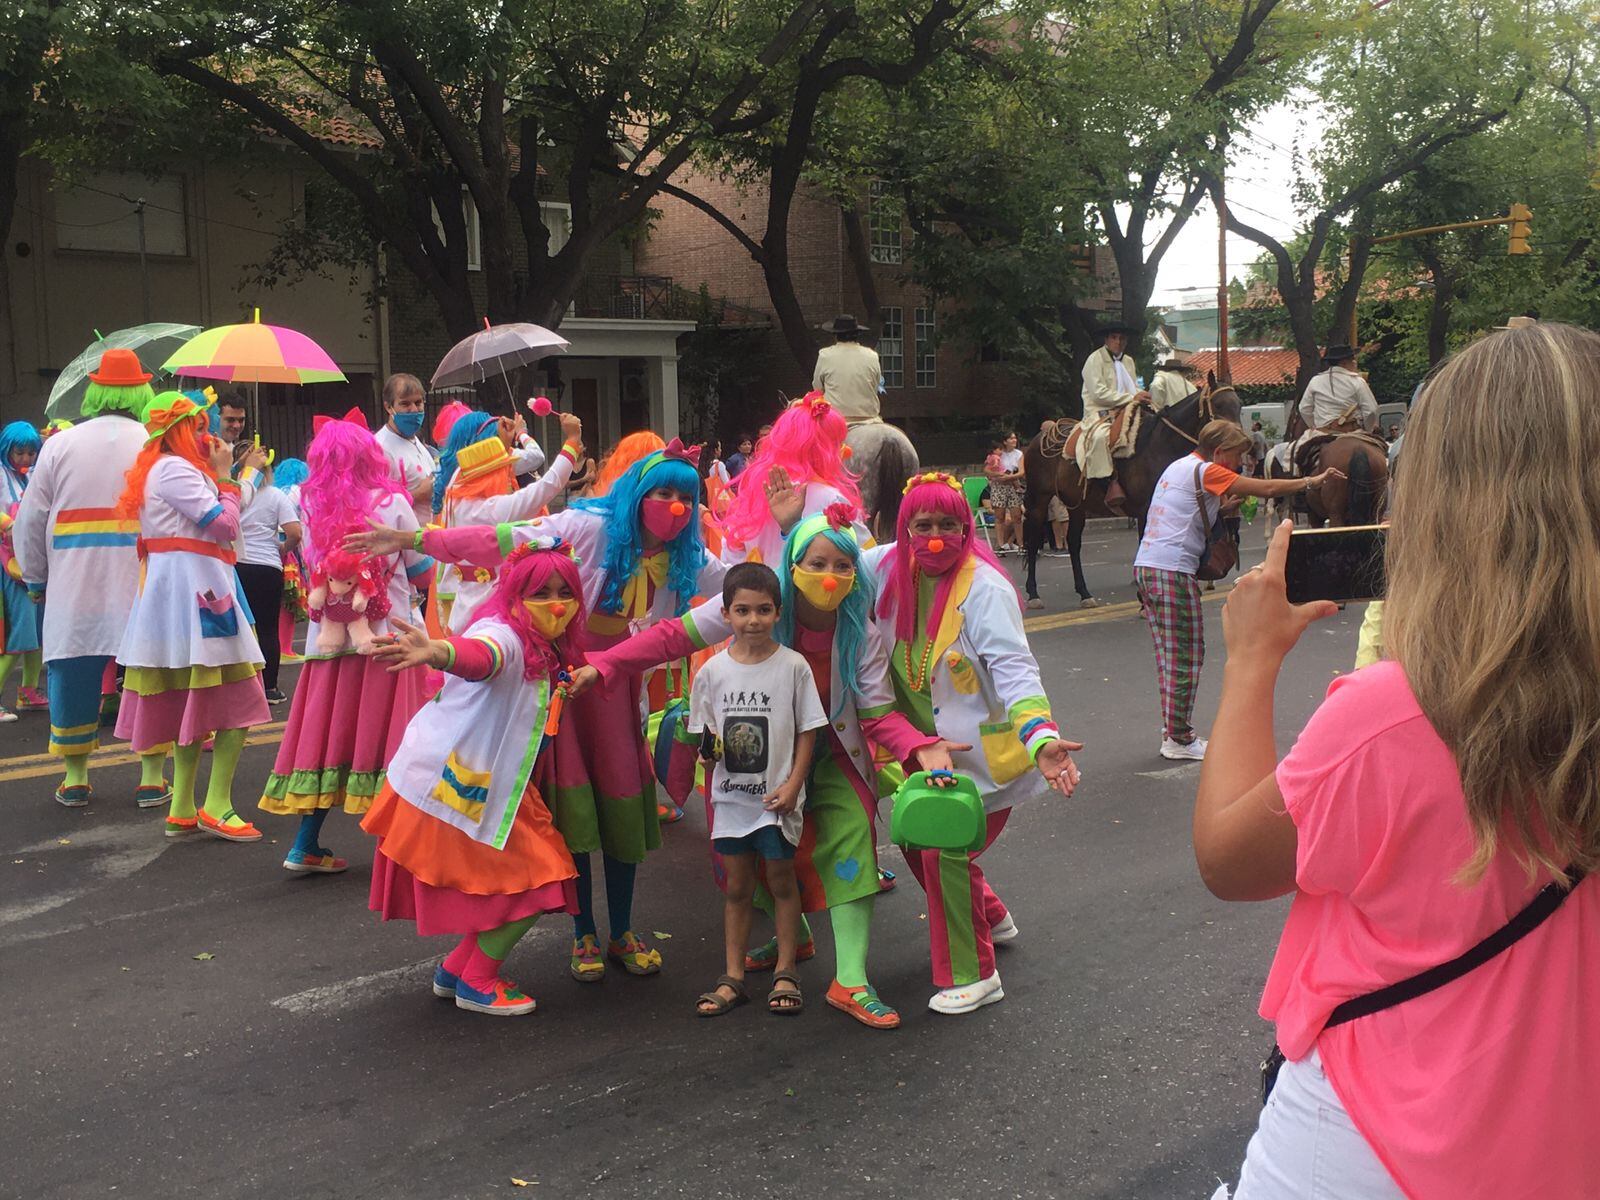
[815, 404]
[841, 514]
[676, 449]
[355, 416]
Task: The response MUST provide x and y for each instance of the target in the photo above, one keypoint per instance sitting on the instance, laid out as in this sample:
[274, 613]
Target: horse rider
[1337, 400]
[848, 374]
[1110, 381]
[1173, 384]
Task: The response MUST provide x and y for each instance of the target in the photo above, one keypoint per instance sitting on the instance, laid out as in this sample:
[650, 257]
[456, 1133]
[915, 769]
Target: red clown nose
[936, 545]
[830, 584]
[677, 508]
[558, 610]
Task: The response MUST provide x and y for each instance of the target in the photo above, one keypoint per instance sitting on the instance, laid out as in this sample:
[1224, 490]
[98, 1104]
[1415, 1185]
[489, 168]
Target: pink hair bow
[355, 416]
[676, 449]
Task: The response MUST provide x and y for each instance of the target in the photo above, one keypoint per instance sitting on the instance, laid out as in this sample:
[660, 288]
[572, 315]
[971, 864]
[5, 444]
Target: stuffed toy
[348, 592]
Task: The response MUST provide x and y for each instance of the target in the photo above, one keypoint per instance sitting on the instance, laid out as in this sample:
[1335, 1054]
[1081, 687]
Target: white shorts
[1058, 510]
[1307, 1148]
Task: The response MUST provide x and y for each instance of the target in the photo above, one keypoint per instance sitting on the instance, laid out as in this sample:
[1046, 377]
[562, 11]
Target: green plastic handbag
[938, 810]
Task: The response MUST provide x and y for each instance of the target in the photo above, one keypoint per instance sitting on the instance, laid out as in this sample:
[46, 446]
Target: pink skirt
[346, 722]
[398, 895]
[182, 716]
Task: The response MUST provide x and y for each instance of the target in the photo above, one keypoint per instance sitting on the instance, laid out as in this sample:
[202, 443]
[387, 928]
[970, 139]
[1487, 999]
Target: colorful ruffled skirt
[431, 873]
[346, 722]
[163, 706]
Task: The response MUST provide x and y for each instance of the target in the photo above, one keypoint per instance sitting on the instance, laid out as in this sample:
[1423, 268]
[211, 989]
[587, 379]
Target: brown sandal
[785, 1002]
[720, 1004]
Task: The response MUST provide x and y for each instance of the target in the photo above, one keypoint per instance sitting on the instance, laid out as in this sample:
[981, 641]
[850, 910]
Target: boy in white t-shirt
[756, 708]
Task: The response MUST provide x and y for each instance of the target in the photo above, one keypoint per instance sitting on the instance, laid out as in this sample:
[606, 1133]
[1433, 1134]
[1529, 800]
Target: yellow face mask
[823, 590]
[550, 617]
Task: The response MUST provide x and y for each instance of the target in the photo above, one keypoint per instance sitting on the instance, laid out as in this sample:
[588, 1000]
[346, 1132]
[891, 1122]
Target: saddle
[1305, 455]
[1124, 431]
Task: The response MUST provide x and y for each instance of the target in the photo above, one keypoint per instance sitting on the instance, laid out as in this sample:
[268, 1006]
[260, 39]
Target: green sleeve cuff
[450, 661]
[503, 538]
[869, 714]
[689, 628]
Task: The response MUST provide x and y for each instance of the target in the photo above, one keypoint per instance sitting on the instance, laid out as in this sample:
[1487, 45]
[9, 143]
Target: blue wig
[469, 428]
[854, 611]
[686, 553]
[287, 472]
[19, 435]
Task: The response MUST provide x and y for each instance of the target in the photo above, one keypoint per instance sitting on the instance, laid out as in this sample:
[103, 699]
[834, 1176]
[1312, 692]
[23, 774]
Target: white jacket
[1331, 392]
[984, 683]
[1101, 387]
[69, 538]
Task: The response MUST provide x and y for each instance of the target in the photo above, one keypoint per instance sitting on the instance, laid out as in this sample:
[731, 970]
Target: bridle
[1207, 414]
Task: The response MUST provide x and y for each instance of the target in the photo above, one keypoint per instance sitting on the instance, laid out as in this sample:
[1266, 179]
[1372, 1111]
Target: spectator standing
[740, 457]
[269, 528]
[1428, 801]
[1005, 494]
[404, 401]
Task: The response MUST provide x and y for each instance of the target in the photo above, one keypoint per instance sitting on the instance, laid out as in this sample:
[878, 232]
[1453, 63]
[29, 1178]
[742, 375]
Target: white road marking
[334, 996]
[1170, 772]
[126, 850]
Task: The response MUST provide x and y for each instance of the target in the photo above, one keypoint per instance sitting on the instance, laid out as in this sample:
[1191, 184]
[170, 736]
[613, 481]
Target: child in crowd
[466, 844]
[757, 703]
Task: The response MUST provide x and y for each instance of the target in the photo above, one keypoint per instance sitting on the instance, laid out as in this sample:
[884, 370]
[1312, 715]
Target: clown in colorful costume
[962, 670]
[19, 612]
[349, 712]
[484, 492]
[641, 561]
[465, 843]
[70, 538]
[826, 616]
[193, 665]
[805, 451]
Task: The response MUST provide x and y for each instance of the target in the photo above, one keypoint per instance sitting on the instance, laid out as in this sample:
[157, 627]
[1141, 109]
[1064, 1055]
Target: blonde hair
[1220, 435]
[1493, 607]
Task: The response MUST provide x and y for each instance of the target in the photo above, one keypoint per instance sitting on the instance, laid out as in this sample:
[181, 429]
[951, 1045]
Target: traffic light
[1521, 224]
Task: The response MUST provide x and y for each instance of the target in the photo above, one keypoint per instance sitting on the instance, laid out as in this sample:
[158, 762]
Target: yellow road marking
[38, 766]
[1109, 612]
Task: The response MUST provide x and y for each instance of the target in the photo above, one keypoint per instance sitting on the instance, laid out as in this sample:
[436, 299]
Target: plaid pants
[1172, 610]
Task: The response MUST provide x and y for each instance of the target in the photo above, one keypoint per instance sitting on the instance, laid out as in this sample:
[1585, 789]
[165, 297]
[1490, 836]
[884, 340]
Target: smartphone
[1344, 564]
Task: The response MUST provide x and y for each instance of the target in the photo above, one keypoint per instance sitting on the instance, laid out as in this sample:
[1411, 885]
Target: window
[102, 214]
[883, 219]
[557, 219]
[892, 348]
[927, 352]
[469, 215]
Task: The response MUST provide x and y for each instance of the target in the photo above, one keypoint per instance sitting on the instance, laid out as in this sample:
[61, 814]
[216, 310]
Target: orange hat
[120, 368]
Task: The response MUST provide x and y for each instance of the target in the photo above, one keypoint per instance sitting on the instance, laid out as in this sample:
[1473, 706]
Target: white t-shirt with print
[1173, 538]
[757, 710]
[269, 512]
[1010, 461]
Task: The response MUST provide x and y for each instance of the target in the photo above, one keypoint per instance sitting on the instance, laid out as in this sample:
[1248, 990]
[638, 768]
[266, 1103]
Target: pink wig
[347, 475]
[525, 571]
[899, 570]
[445, 421]
[808, 443]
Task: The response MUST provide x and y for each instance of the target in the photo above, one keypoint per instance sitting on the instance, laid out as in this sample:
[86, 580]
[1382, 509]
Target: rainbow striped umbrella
[254, 353]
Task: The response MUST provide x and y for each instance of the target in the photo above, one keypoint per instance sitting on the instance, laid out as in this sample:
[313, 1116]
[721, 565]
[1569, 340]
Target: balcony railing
[656, 298]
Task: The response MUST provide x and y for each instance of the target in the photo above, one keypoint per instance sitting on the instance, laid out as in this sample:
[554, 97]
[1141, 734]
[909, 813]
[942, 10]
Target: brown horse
[1163, 438]
[1358, 498]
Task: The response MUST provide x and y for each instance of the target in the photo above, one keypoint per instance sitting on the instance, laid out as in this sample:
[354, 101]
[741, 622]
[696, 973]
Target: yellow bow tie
[650, 573]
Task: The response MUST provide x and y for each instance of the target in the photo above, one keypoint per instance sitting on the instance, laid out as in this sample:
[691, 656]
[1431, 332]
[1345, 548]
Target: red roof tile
[1251, 365]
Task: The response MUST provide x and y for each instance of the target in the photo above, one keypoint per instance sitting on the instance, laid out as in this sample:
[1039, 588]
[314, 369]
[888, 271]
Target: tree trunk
[1444, 292]
[855, 237]
[786, 303]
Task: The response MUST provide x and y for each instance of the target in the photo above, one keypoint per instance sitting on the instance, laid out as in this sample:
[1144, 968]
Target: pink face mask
[664, 518]
[936, 554]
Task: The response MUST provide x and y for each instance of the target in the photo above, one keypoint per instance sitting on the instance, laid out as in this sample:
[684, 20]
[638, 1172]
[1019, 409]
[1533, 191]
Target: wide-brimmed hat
[120, 368]
[1522, 322]
[1116, 327]
[1338, 352]
[843, 323]
[170, 409]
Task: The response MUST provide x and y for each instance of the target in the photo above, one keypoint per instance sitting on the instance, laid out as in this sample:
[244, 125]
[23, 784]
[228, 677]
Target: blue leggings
[619, 895]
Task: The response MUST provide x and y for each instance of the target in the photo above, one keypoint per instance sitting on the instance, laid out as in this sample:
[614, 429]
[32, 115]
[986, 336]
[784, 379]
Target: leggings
[263, 591]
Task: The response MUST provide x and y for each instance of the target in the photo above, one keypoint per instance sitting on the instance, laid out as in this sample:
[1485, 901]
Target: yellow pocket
[963, 676]
[462, 789]
[1006, 755]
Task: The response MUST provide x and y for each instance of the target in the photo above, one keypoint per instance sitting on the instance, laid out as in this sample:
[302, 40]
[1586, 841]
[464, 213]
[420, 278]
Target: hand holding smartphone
[1342, 564]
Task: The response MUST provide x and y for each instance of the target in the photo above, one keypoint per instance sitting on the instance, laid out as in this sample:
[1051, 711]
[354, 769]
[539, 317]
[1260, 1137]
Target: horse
[1163, 438]
[1358, 498]
[883, 456]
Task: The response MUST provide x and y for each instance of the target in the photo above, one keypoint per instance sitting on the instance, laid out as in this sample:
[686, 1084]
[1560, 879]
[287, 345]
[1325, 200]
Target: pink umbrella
[251, 352]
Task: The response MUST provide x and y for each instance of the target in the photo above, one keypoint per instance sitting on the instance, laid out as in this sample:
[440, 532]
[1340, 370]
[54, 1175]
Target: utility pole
[144, 267]
[1224, 371]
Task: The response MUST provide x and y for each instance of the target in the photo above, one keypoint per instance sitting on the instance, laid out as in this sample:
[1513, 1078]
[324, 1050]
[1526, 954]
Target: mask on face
[550, 617]
[823, 590]
[408, 423]
[664, 518]
[936, 554]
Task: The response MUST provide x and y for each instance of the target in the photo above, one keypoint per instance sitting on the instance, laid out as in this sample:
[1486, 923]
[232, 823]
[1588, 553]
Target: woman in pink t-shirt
[1427, 801]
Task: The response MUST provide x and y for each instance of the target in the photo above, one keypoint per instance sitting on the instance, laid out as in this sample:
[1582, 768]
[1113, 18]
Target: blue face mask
[408, 423]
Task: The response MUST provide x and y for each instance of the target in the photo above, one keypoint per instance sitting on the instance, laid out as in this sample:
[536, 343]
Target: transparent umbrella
[495, 349]
[151, 342]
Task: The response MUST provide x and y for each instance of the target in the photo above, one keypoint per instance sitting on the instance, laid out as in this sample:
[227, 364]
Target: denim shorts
[768, 842]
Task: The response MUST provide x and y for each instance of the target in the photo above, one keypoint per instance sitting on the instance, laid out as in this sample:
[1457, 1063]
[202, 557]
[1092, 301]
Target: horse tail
[897, 462]
[1361, 502]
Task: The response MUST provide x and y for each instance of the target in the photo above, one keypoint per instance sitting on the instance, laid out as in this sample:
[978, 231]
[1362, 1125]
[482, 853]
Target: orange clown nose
[936, 545]
[830, 584]
[558, 610]
[677, 508]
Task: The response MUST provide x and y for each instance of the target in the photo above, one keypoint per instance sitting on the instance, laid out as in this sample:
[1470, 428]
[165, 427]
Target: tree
[1401, 85]
[608, 97]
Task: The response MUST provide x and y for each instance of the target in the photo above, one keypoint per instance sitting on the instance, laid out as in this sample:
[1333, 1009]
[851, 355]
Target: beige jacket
[847, 374]
[1101, 387]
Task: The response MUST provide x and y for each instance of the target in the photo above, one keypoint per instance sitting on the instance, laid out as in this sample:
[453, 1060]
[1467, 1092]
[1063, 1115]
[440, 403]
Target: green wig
[101, 397]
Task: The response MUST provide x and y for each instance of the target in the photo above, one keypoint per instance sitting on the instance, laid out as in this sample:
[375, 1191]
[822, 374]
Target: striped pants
[962, 909]
[76, 685]
[1172, 610]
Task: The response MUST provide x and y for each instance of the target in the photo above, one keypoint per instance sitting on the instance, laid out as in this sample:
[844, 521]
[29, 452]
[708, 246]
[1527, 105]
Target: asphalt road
[187, 1019]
